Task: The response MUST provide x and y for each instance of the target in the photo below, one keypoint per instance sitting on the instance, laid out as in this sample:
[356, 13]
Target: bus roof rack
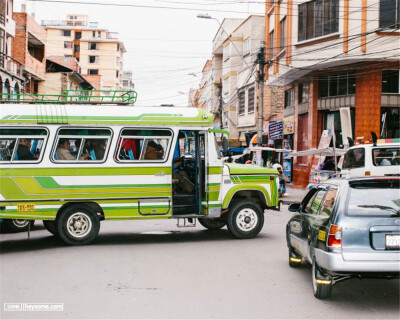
[117, 97]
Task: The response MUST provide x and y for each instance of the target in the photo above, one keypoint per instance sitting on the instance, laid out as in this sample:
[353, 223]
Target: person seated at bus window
[99, 148]
[128, 150]
[63, 151]
[151, 151]
[180, 177]
[160, 152]
[24, 150]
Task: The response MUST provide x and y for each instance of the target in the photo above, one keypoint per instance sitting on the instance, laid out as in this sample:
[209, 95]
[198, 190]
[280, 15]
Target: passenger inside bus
[24, 150]
[63, 151]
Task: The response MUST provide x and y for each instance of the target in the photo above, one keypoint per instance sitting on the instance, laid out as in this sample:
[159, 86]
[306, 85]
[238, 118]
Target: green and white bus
[74, 166]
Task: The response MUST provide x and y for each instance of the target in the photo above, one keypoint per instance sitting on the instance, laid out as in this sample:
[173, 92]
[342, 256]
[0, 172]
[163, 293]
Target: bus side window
[6, 149]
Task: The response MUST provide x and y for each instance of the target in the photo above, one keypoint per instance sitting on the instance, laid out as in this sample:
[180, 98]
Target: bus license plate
[393, 241]
[26, 207]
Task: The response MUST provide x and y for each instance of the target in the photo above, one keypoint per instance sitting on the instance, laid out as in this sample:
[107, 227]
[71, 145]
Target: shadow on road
[359, 294]
[123, 238]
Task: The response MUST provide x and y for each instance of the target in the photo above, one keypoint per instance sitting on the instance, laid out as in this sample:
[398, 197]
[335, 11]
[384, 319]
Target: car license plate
[393, 241]
[27, 207]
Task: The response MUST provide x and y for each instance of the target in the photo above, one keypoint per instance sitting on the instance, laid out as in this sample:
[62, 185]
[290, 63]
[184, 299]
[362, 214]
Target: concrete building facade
[99, 52]
[235, 49]
[338, 61]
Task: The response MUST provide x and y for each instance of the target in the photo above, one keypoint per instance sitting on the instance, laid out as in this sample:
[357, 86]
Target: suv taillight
[335, 236]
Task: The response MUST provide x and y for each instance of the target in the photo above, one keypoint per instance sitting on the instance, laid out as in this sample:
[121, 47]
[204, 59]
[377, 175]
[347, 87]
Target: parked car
[380, 159]
[347, 228]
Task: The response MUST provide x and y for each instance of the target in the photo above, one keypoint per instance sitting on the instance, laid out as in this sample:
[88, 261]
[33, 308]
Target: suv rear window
[354, 158]
[374, 199]
[386, 156]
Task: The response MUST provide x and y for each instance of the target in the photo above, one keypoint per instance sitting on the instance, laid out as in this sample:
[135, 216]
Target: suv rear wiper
[395, 213]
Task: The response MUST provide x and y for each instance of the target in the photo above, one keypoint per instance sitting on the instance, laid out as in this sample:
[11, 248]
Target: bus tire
[78, 225]
[51, 227]
[212, 224]
[245, 219]
[18, 225]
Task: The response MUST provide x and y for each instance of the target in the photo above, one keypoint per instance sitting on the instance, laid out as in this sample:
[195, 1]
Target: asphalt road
[152, 269]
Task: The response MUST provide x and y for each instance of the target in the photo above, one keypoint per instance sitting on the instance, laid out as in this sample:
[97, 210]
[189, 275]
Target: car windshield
[376, 200]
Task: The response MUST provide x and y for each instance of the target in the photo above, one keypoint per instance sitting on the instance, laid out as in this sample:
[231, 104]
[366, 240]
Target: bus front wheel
[78, 225]
[245, 219]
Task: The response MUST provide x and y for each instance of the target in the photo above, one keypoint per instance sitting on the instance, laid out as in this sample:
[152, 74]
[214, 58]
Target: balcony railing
[64, 23]
[10, 65]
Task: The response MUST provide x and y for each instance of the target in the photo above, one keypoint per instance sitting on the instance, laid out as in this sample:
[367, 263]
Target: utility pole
[260, 80]
[221, 104]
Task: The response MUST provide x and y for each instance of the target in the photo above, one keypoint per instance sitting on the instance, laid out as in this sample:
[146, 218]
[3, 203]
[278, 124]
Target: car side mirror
[294, 207]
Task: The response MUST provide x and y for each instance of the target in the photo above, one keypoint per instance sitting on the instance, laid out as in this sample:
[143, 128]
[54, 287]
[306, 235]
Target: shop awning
[320, 152]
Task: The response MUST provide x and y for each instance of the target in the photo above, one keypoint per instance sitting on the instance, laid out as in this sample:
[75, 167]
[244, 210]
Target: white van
[380, 159]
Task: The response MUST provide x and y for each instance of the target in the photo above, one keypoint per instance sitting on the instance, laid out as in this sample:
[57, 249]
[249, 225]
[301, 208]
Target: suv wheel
[294, 259]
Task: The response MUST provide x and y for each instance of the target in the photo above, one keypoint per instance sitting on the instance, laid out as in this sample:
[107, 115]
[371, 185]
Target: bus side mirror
[224, 146]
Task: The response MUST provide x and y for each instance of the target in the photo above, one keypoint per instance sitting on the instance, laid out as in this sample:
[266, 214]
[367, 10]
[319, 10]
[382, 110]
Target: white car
[381, 159]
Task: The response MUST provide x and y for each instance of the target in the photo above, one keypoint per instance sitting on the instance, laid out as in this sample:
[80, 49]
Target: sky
[164, 44]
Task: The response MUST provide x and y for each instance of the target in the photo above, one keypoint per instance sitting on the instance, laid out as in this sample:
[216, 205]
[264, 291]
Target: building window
[390, 123]
[67, 56]
[389, 14]
[246, 46]
[99, 34]
[68, 44]
[225, 119]
[304, 89]
[390, 81]
[242, 102]
[227, 52]
[93, 59]
[318, 18]
[93, 46]
[289, 98]
[66, 33]
[283, 34]
[93, 34]
[77, 48]
[78, 35]
[117, 73]
[250, 101]
[271, 45]
[337, 85]
[93, 71]
[117, 46]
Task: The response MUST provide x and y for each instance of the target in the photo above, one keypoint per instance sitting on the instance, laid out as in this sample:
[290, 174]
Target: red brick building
[29, 48]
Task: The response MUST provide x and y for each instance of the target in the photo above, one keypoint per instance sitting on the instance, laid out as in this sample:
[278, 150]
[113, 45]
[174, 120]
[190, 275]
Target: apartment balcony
[10, 65]
[35, 67]
[64, 23]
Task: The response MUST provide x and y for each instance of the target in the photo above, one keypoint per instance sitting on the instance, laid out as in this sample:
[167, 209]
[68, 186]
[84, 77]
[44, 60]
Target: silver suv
[347, 228]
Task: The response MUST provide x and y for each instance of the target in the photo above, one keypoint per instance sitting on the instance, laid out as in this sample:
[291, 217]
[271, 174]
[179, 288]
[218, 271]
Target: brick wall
[274, 99]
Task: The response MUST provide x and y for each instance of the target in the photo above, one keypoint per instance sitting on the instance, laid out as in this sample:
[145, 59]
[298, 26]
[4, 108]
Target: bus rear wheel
[18, 225]
[78, 225]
